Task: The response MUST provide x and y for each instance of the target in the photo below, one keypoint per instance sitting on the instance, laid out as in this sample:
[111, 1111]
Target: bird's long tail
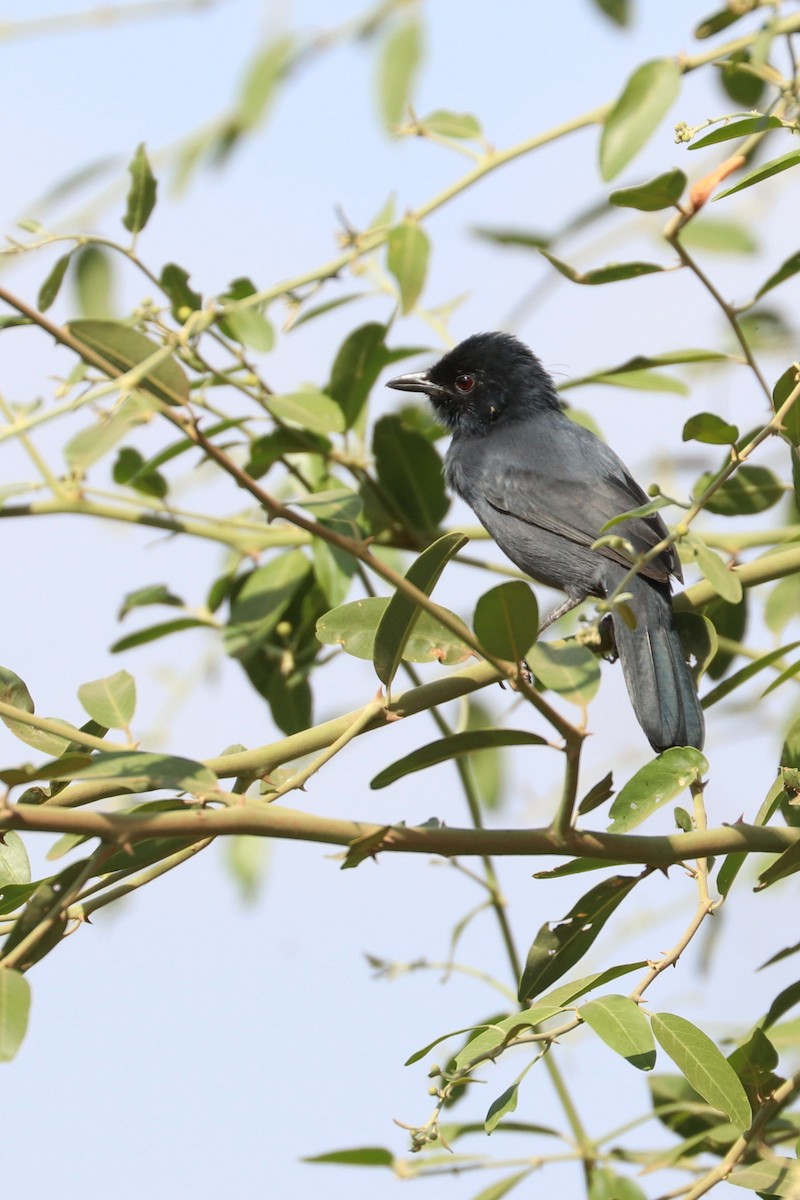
[657, 676]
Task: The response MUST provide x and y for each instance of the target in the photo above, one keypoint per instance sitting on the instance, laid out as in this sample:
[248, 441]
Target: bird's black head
[490, 377]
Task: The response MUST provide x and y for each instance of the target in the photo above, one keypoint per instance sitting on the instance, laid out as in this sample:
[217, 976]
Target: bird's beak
[416, 381]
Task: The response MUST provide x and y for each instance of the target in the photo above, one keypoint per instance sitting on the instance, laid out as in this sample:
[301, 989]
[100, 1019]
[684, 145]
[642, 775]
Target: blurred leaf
[724, 582]
[452, 125]
[15, 1003]
[154, 632]
[15, 867]
[110, 701]
[93, 282]
[455, 745]
[364, 1156]
[50, 288]
[662, 192]
[410, 472]
[137, 767]
[642, 381]
[42, 905]
[488, 767]
[14, 691]
[261, 601]
[309, 408]
[699, 641]
[703, 1065]
[568, 669]
[640, 364]
[89, 445]
[353, 627]
[744, 674]
[622, 1025]
[402, 614]
[559, 945]
[655, 784]
[499, 1108]
[407, 252]
[125, 348]
[528, 239]
[729, 621]
[787, 863]
[783, 603]
[645, 101]
[736, 129]
[619, 11]
[246, 859]
[319, 310]
[790, 673]
[750, 490]
[611, 273]
[607, 1185]
[358, 363]
[718, 235]
[334, 569]
[789, 380]
[506, 620]
[766, 171]
[263, 75]
[496, 1191]
[718, 21]
[711, 429]
[183, 299]
[785, 271]
[398, 66]
[142, 192]
[597, 794]
[245, 324]
[131, 470]
[742, 85]
[779, 1176]
[579, 866]
[266, 451]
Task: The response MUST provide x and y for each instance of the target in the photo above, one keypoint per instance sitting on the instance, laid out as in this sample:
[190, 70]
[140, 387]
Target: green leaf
[506, 620]
[89, 445]
[704, 1066]
[14, 691]
[110, 701]
[359, 361]
[779, 1176]
[718, 235]
[658, 782]
[246, 859]
[766, 171]
[567, 992]
[245, 322]
[729, 621]
[499, 1108]
[50, 288]
[407, 252]
[334, 570]
[566, 668]
[44, 902]
[611, 273]
[783, 604]
[491, 1038]
[364, 1156]
[740, 80]
[597, 794]
[262, 600]
[309, 408]
[496, 1191]
[154, 593]
[452, 125]
[699, 641]
[261, 79]
[410, 472]
[718, 21]
[645, 101]
[140, 769]
[319, 310]
[94, 282]
[786, 864]
[527, 239]
[353, 626]
[15, 867]
[183, 299]
[142, 192]
[15, 1003]
[785, 271]
[711, 429]
[402, 614]
[398, 65]
[724, 582]
[123, 348]
[789, 380]
[744, 674]
[640, 364]
[622, 1025]
[662, 192]
[455, 745]
[607, 1185]
[558, 946]
[750, 490]
[154, 632]
[131, 470]
[619, 11]
[736, 129]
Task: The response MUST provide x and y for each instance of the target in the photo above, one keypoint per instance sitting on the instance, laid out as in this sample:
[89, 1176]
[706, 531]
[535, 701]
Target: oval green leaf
[142, 192]
[110, 701]
[456, 745]
[568, 669]
[408, 250]
[645, 101]
[452, 125]
[309, 408]
[622, 1025]
[711, 429]
[398, 65]
[661, 192]
[658, 782]
[124, 349]
[704, 1066]
[353, 626]
[506, 620]
[774, 167]
[750, 490]
[15, 1004]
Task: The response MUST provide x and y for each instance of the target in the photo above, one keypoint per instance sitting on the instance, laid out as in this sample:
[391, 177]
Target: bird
[544, 487]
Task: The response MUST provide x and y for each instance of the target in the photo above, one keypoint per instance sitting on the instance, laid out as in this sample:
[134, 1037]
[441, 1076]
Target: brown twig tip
[700, 191]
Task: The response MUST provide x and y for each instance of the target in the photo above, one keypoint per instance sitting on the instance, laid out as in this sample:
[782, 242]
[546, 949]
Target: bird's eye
[465, 383]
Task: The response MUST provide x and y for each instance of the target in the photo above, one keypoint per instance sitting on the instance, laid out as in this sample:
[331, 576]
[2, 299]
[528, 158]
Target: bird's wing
[577, 505]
